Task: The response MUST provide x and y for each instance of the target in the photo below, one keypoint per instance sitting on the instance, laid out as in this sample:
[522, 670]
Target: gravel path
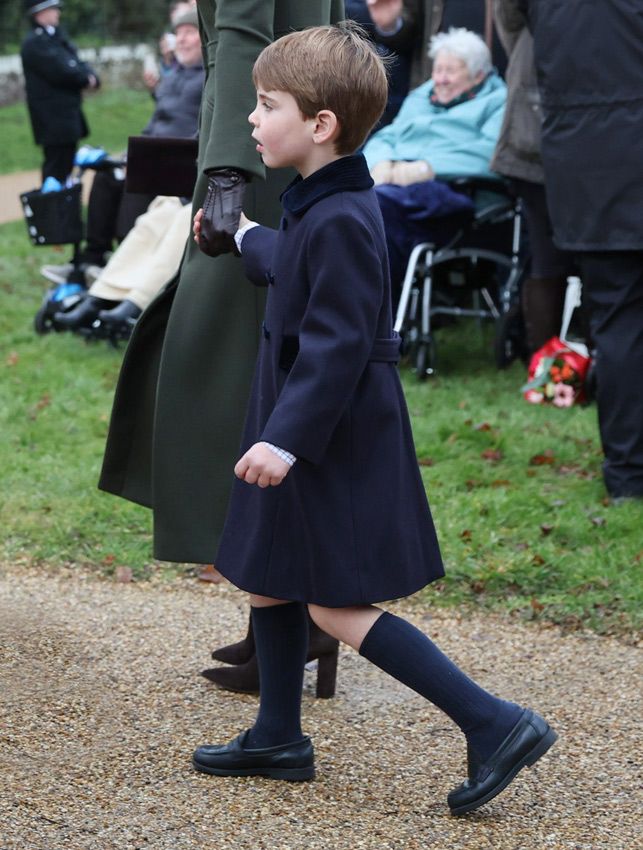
[101, 707]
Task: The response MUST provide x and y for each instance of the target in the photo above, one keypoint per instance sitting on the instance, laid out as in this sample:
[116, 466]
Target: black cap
[34, 6]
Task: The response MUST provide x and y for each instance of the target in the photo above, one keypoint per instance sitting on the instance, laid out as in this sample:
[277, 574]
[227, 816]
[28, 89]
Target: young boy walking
[335, 518]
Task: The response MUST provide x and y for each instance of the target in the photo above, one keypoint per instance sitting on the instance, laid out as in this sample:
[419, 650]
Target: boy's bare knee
[320, 616]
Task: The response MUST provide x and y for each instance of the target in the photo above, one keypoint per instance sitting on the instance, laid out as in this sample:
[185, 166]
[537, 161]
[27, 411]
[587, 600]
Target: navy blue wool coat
[350, 524]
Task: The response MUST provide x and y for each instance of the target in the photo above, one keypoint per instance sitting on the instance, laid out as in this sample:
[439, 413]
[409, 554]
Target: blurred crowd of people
[509, 87]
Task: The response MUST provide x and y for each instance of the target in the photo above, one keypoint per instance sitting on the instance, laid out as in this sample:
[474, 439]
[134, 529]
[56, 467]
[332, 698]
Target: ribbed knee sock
[412, 658]
[281, 640]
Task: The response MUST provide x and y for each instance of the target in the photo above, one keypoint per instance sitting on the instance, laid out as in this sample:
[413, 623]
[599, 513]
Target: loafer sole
[529, 759]
[290, 774]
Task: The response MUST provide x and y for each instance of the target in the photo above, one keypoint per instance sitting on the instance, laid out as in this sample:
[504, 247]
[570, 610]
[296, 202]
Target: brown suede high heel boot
[237, 653]
[244, 677]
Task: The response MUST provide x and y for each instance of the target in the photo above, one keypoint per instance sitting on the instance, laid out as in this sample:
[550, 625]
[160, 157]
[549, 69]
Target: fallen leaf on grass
[537, 606]
[501, 482]
[471, 483]
[547, 457]
[43, 402]
[538, 560]
[477, 586]
[482, 426]
[466, 534]
[597, 520]
[491, 454]
[546, 529]
[12, 359]
[425, 461]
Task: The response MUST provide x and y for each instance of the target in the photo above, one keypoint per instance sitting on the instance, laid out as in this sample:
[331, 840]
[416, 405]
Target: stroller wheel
[44, 320]
[425, 359]
[509, 344]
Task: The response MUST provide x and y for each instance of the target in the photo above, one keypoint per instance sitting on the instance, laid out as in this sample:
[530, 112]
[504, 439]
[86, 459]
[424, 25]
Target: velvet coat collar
[350, 173]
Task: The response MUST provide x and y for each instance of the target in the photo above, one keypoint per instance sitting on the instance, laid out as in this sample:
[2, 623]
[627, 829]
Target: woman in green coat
[181, 397]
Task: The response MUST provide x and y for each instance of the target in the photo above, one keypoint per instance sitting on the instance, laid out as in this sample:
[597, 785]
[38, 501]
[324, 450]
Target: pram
[55, 218]
[476, 274]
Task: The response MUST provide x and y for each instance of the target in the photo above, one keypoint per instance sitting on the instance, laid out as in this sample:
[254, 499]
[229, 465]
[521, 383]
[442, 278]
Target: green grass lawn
[112, 115]
[516, 490]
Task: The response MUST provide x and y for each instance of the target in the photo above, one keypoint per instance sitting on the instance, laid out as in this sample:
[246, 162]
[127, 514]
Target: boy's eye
[267, 107]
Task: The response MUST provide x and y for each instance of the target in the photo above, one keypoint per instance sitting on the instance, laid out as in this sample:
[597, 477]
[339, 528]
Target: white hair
[464, 45]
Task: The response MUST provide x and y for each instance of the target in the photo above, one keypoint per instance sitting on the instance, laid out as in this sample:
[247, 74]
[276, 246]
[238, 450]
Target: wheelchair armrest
[493, 211]
[471, 184]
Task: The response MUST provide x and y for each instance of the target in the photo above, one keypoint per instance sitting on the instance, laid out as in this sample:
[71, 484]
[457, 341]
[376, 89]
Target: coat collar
[350, 173]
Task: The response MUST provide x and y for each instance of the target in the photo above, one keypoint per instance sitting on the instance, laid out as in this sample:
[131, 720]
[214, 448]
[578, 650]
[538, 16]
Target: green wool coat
[181, 397]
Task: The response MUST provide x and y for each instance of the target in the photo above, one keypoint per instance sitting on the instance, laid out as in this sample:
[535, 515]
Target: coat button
[266, 332]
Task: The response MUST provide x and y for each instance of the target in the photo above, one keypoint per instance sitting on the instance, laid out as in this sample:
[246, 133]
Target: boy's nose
[252, 117]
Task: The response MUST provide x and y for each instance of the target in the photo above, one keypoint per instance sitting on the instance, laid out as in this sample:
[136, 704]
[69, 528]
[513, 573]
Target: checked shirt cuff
[282, 453]
[238, 236]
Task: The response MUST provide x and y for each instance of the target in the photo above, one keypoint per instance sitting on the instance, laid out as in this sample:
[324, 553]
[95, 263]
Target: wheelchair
[476, 274]
[55, 218]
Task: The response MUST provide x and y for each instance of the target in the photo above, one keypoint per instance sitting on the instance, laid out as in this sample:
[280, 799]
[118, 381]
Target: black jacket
[54, 79]
[589, 58]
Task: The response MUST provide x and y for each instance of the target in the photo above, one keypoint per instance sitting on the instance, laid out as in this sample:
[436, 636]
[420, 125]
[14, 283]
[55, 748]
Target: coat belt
[384, 350]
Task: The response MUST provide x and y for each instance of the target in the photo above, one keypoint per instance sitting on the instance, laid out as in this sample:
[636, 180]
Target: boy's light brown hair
[332, 67]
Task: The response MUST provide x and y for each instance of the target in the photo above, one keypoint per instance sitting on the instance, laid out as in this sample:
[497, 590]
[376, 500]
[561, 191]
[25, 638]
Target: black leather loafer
[294, 762]
[530, 739]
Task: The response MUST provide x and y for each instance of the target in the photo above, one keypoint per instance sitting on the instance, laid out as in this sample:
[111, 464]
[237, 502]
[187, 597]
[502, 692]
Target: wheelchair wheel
[425, 359]
[509, 344]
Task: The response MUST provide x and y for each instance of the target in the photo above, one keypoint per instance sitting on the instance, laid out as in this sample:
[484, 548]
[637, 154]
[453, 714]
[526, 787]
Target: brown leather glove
[221, 211]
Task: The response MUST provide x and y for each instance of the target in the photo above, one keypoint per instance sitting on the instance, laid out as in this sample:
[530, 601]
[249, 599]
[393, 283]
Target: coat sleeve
[244, 28]
[41, 56]
[257, 248]
[335, 338]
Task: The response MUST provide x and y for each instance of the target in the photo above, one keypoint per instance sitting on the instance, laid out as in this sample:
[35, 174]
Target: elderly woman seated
[447, 127]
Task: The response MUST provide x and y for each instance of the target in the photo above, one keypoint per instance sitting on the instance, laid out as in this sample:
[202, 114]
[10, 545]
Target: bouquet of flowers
[556, 375]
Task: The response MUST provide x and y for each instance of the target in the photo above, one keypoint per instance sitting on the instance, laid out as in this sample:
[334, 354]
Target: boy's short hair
[330, 67]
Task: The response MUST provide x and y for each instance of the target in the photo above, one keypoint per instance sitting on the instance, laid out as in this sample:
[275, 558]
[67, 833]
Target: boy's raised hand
[198, 216]
[261, 466]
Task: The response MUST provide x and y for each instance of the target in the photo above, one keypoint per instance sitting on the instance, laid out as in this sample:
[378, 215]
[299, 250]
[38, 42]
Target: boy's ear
[326, 127]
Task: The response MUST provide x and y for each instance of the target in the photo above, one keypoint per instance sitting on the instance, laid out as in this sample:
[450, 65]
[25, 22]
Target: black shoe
[244, 678]
[82, 315]
[125, 312]
[294, 762]
[530, 739]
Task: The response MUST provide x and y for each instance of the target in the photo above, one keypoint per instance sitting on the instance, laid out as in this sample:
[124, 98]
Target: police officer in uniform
[54, 79]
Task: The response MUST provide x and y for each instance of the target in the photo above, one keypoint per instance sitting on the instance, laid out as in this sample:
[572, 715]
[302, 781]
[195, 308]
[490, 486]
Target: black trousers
[59, 161]
[111, 214]
[613, 293]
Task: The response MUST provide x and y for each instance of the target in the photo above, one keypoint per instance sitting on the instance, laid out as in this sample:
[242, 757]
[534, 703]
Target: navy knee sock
[412, 658]
[281, 640]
